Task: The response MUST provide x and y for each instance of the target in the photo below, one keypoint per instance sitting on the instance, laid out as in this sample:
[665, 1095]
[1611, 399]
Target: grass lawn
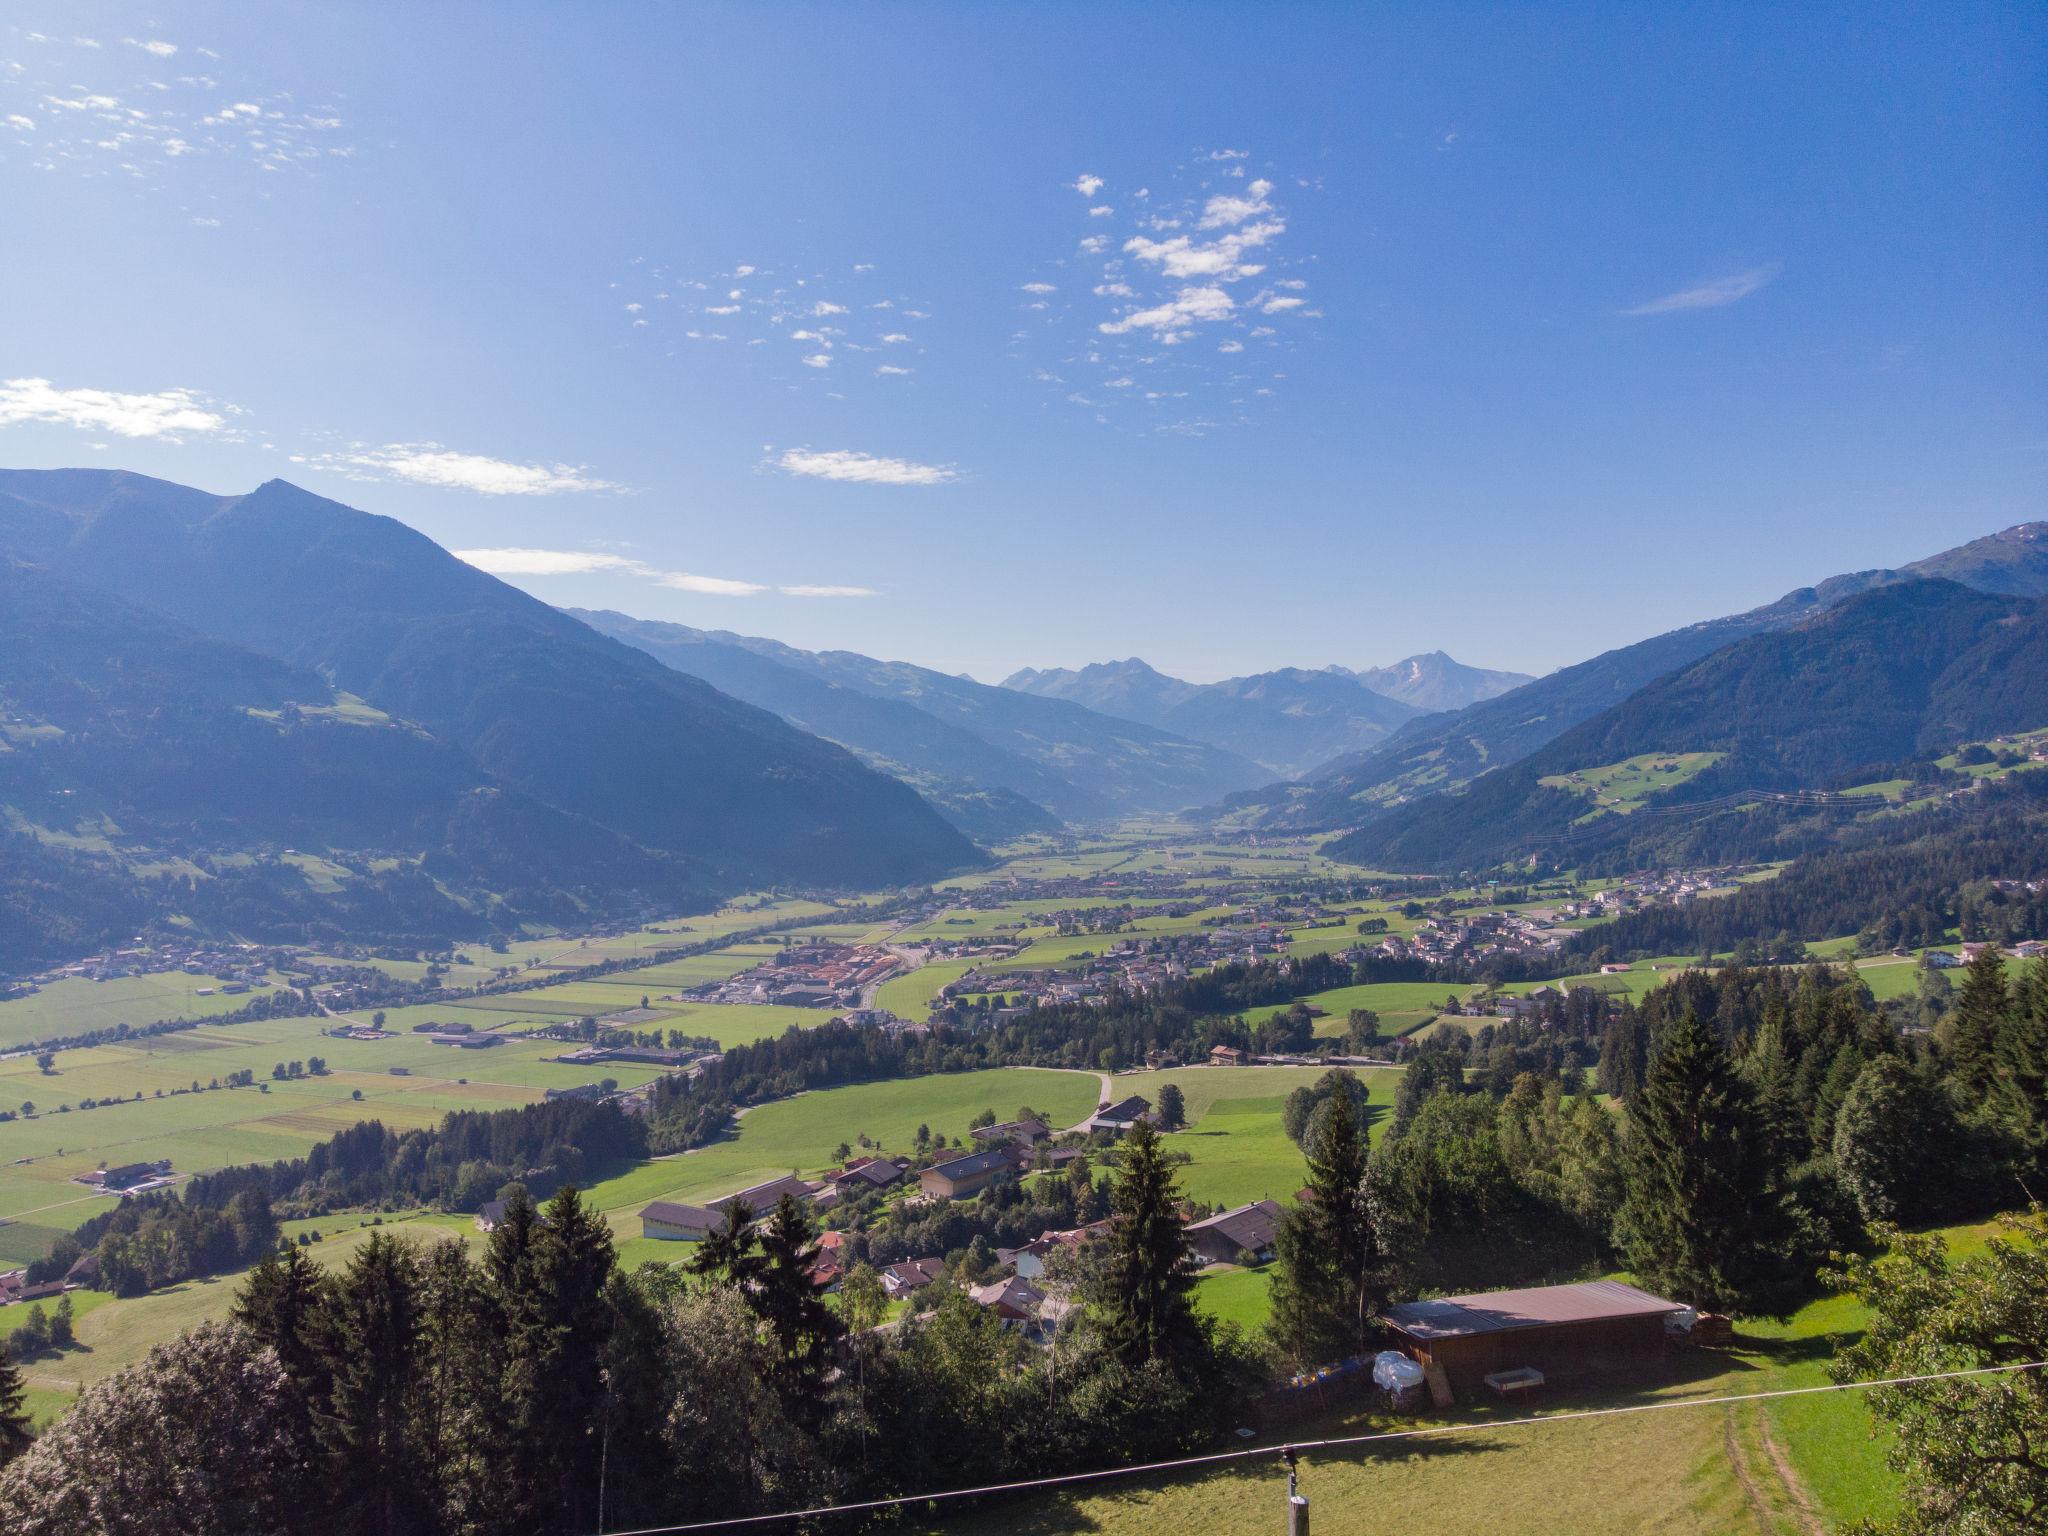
[76, 1007]
[1234, 1137]
[801, 1134]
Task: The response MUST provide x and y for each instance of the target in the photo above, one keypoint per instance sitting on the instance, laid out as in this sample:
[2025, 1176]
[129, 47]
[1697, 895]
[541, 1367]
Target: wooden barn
[1561, 1330]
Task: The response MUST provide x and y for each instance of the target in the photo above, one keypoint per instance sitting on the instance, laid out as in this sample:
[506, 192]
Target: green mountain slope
[1898, 674]
[148, 773]
[538, 700]
[1438, 754]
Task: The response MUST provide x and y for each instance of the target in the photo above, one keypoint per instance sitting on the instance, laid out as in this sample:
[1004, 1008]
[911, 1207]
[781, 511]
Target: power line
[1269, 1452]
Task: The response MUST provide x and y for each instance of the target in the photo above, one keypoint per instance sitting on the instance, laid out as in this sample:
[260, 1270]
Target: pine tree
[1971, 1028]
[15, 1436]
[2022, 1064]
[787, 1300]
[1701, 1220]
[562, 1354]
[1144, 1285]
[367, 1423]
[1330, 1281]
[280, 1303]
[1877, 1141]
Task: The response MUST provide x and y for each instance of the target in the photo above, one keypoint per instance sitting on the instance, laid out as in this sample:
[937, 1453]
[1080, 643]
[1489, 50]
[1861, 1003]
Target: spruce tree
[787, 1300]
[15, 1435]
[1971, 1028]
[1330, 1281]
[367, 1424]
[280, 1303]
[562, 1356]
[1146, 1278]
[1702, 1220]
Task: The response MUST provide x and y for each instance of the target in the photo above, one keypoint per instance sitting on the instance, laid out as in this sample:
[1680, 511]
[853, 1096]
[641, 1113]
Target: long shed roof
[1449, 1317]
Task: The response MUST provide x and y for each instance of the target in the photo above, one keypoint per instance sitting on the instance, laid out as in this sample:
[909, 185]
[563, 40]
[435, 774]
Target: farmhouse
[963, 1176]
[1015, 1300]
[1120, 1117]
[1228, 1056]
[1248, 1229]
[674, 1222]
[911, 1276]
[1560, 1330]
[864, 1174]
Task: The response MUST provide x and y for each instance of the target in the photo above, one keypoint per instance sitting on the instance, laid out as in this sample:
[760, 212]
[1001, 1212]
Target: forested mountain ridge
[538, 700]
[152, 773]
[1288, 720]
[1899, 673]
[952, 733]
[1441, 753]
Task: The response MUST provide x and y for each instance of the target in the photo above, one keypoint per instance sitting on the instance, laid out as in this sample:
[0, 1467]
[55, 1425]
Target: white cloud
[1224, 210]
[16, 120]
[1280, 305]
[1231, 346]
[861, 468]
[1115, 291]
[1229, 154]
[1038, 288]
[818, 360]
[168, 414]
[710, 586]
[432, 464]
[825, 307]
[1221, 258]
[895, 338]
[1094, 245]
[1088, 186]
[1100, 211]
[1189, 306]
[1710, 295]
[545, 562]
[890, 370]
[156, 46]
[816, 591]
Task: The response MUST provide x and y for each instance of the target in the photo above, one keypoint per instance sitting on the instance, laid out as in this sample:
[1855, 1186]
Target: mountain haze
[952, 736]
[1288, 721]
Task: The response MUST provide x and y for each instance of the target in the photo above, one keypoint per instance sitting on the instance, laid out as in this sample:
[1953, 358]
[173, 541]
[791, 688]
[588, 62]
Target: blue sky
[1519, 332]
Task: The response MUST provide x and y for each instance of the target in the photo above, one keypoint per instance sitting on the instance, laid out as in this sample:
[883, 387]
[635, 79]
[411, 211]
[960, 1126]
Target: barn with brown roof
[1560, 1330]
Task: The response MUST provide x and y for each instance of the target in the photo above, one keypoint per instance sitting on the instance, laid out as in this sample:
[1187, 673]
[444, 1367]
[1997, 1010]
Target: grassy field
[1621, 787]
[1707, 1470]
[1238, 1149]
[76, 1007]
[800, 1135]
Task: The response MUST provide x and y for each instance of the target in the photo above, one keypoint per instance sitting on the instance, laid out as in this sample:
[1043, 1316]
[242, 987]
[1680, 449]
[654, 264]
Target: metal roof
[1450, 1317]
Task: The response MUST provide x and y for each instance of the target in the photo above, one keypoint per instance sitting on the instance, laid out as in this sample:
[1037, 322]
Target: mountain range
[998, 761]
[1442, 753]
[1288, 721]
[470, 692]
[1850, 696]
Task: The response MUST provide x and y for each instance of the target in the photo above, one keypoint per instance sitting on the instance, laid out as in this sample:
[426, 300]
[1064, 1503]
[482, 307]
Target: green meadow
[75, 1006]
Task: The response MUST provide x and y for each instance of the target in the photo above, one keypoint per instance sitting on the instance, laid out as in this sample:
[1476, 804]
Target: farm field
[75, 1006]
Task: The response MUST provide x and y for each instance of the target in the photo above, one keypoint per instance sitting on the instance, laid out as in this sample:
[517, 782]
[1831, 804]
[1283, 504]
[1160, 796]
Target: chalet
[1228, 1056]
[864, 1174]
[1219, 1239]
[911, 1276]
[1027, 1132]
[1029, 1261]
[1120, 1117]
[964, 1176]
[1015, 1300]
[489, 1215]
[1560, 1330]
[673, 1222]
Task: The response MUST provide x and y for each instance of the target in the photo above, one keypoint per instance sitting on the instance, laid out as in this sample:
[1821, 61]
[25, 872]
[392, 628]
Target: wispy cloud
[432, 464]
[1710, 295]
[861, 468]
[578, 562]
[708, 586]
[169, 414]
[546, 562]
[1088, 186]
